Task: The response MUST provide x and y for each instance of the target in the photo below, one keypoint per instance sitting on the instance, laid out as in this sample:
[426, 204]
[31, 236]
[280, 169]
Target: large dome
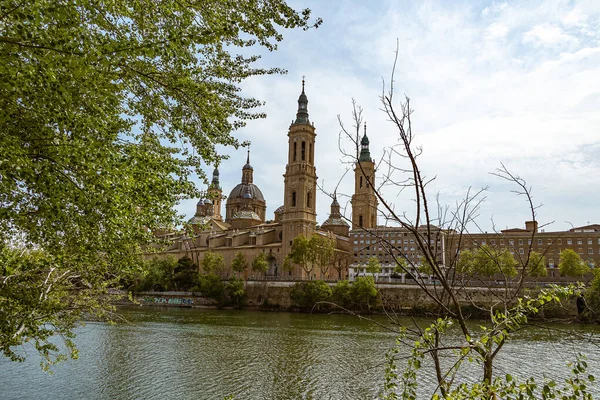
[241, 189]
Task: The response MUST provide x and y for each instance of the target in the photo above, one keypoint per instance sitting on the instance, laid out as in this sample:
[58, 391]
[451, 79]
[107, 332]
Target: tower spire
[365, 154]
[302, 114]
[247, 170]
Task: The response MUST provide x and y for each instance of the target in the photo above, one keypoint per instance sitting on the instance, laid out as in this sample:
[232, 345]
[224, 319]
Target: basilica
[246, 227]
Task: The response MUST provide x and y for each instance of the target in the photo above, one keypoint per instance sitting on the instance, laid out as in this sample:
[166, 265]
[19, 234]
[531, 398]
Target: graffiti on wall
[176, 301]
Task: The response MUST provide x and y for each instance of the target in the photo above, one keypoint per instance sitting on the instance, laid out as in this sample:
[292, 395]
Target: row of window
[539, 241]
[522, 251]
[393, 241]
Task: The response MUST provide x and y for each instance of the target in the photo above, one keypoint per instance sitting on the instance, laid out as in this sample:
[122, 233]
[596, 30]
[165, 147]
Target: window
[295, 148]
[412, 241]
[549, 241]
[579, 241]
[521, 251]
[559, 241]
[493, 242]
[308, 199]
[405, 241]
[520, 242]
[360, 183]
[356, 242]
[540, 242]
[310, 153]
[580, 251]
[482, 242]
[368, 242]
[569, 241]
[590, 251]
[303, 151]
[551, 263]
[501, 242]
[360, 221]
[511, 242]
[589, 241]
[293, 199]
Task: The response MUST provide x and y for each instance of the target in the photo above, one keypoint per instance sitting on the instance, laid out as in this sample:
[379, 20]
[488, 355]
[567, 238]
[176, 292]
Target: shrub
[306, 294]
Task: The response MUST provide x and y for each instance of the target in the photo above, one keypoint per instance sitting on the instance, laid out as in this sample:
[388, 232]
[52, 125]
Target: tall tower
[216, 195]
[364, 201]
[299, 215]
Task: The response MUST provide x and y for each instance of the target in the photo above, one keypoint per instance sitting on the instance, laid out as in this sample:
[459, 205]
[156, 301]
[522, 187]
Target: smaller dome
[207, 201]
[200, 202]
[196, 220]
[279, 210]
[365, 140]
[247, 166]
[246, 214]
[331, 221]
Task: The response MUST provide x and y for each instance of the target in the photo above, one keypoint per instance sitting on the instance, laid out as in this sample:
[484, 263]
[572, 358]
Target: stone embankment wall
[409, 299]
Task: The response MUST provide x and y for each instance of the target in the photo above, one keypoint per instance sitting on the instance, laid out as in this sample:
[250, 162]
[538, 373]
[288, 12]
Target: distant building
[246, 228]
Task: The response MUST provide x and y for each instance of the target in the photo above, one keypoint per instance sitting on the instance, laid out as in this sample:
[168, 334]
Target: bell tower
[300, 179]
[364, 201]
[215, 194]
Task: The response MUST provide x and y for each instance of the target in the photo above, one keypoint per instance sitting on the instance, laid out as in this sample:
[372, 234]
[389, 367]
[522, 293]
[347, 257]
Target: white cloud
[548, 35]
[514, 83]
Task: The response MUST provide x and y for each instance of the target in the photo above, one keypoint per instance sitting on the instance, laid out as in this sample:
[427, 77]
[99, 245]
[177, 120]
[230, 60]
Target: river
[172, 353]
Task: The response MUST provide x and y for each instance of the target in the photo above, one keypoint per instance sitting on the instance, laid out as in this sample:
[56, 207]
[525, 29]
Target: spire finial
[248, 158]
[365, 127]
[302, 83]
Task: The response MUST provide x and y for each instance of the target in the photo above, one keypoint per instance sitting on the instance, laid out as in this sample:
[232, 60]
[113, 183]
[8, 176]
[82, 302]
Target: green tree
[571, 264]
[373, 265]
[213, 263]
[363, 292]
[260, 264]
[239, 263]
[93, 96]
[340, 294]
[307, 294]
[316, 251]
[536, 265]
[185, 275]
[487, 261]
[159, 274]
[288, 265]
[234, 290]
[425, 267]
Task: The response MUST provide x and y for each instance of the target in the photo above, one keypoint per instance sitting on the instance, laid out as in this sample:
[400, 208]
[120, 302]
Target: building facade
[245, 228]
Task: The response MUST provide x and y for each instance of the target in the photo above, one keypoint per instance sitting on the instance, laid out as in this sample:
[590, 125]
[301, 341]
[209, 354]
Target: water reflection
[207, 354]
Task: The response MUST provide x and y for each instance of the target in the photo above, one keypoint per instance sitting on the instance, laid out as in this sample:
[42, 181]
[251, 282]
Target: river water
[171, 353]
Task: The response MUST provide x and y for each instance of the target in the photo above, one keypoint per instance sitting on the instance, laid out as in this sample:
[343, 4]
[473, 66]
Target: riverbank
[402, 299]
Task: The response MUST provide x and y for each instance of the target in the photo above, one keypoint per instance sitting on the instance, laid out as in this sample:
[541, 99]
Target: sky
[516, 83]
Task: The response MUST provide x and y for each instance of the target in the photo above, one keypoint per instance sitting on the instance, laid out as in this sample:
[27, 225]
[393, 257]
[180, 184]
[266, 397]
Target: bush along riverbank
[170, 282]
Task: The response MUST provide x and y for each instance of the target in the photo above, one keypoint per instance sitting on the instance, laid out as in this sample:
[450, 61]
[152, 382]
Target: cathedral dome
[241, 189]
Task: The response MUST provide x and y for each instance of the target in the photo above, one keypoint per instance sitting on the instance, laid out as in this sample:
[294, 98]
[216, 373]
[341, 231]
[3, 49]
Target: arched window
[360, 221]
[293, 199]
[295, 146]
[310, 153]
[303, 151]
[360, 185]
[308, 199]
